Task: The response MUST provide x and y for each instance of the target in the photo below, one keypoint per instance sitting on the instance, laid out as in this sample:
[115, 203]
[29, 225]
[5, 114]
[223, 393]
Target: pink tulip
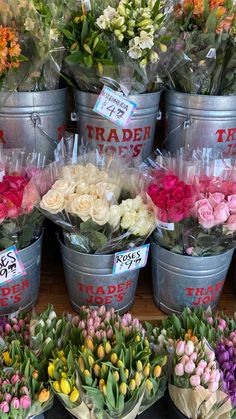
[205, 377]
[193, 357]
[90, 323]
[219, 327]
[223, 323]
[211, 356]
[213, 386]
[24, 391]
[180, 348]
[4, 407]
[195, 380]
[15, 403]
[202, 364]
[8, 328]
[98, 335]
[185, 359]
[25, 402]
[21, 323]
[199, 371]
[210, 320]
[94, 314]
[81, 324]
[189, 367]
[8, 397]
[179, 369]
[101, 311]
[84, 333]
[109, 333]
[189, 348]
[15, 379]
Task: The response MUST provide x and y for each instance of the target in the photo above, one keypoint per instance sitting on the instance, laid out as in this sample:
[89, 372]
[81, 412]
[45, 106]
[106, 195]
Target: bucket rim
[186, 257]
[109, 255]
[207, 97]
[157, 93]
[42, 92]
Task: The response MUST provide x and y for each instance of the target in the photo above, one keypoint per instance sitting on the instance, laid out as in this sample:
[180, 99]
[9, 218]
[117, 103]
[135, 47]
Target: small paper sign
[130, 259]
[114, 106]
[166, 226]
[11, 266]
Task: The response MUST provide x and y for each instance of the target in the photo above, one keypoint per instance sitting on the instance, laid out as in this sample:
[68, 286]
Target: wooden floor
[53, 288]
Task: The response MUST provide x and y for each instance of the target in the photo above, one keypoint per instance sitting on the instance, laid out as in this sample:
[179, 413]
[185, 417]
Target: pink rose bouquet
[195, 386]
[20, 221]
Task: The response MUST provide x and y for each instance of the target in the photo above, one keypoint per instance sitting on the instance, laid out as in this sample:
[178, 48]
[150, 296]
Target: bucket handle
[36, 119]
[74, 116]
[159, 115]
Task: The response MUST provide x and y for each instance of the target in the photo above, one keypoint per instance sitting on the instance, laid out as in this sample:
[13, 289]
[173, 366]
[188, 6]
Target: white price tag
[114, 106]
[166, 226]
[211, 53]
[130, 259]
[11, 266]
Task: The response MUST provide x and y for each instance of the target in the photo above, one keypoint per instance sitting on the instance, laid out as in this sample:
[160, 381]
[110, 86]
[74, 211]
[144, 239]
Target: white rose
[81, 205]
[138, 203]
[115, 216]
[73, 171]
[100, 212]
[93, 189]
[103, 22]
[53, 201]
[108, 191]
[82, 188]
[66, 187]
[102, 176]
[145, 224]
[68, 200]
[128, 219]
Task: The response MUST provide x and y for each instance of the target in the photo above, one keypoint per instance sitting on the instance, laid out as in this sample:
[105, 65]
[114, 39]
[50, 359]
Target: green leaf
[110, 393]
[96, 395]
[68, 34]
[75, 58]
[97, 240]
[85, 30]
[156, 9]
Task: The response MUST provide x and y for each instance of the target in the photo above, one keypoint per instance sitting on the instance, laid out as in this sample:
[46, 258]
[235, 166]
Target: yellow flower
[101, 383]
[132, 385]
[89, 344]
[139, 365]
[123, 388]
[146, 371]
[51, 369]
[7, 358]
[100, 352]
[64, 375]
[96, 370]
[65, 386]
[87, 373]
[107, 347]
[114, 358]
[81, 364]
[56, 386]
[35, 374]
[43, 395]
[74, 395]
[157, 371]
[138, 379]
[116, 376]
[126, 373]
[90, 361]
[149, 385]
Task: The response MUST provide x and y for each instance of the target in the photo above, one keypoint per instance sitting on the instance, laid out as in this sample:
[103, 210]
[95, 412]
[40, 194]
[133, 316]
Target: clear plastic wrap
[20, 222]
[115, 44]
[199, 46]
[193, 196]
[96, 199]
[40, 42]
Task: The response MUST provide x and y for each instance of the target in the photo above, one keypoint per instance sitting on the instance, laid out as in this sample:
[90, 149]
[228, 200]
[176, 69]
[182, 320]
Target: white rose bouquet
[97, 202]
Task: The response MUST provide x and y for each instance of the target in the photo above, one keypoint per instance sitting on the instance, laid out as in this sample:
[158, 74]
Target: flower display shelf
[53, 288]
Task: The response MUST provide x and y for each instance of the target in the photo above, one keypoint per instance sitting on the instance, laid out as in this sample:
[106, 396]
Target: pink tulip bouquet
[195, 385]
[194, 202]
[23, 392]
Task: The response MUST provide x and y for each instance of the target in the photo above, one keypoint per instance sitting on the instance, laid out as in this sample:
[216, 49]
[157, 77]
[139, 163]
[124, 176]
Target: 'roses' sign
[10, 265]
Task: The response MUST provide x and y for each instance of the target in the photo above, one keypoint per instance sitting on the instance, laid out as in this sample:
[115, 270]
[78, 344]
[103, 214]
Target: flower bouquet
[195, 386]
[20, 222]
[116, 44]
[104, 366]
[97, 201]
[22, 381]
[38, 38]
[200, 53]
[194, 210]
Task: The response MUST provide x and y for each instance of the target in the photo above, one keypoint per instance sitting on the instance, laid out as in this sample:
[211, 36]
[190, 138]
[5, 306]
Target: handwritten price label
[165, 226]
[130, 259]
[10, 265]
[114, 106]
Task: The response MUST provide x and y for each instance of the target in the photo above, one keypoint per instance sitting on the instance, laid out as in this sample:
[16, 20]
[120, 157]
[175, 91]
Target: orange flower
[9, 50]
[225, 24]
[198, 7]
[187, 5]
[216, 3]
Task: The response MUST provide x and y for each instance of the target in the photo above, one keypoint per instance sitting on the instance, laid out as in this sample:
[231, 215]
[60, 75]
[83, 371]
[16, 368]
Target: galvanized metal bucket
[22, 293]
[33, 120]
[90, 281]
[200, 121]
[186, 281]
[137, 137]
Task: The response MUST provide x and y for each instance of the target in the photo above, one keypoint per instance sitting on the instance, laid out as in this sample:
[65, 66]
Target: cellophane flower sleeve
[199, 46]
[20, 221]
[97, 200]
[116, 44]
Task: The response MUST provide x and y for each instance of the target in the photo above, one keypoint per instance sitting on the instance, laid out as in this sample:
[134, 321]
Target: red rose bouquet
[20, 221]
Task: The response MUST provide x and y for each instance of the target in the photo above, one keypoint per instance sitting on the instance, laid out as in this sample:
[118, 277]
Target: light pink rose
[221, 213]
[216, 198]
[232, 204]
[206, 217]
[195, 380]
[201, 203]
[179, 370]
[231, 223]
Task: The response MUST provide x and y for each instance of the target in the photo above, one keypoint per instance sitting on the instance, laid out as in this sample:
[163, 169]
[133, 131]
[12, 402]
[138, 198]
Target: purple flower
[224, 357]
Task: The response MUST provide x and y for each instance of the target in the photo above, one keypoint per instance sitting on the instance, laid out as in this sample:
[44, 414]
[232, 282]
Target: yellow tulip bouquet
[104, 366]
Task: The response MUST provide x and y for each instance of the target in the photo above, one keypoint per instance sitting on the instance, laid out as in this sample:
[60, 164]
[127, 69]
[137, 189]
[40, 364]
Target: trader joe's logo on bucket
[227, 136]
[203, 296]
[106, 294]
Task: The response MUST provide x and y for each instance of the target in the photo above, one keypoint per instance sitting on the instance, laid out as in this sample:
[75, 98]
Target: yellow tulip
[51, 369]
[43, 396]
[138, 379]
[87, 373]
[139, 365]
[65, 386]
[114, 358]
[96, 370]
[7, 358]
[107, 347]
[116, 376]
[149, 385]
[157, 371]
[81, 364]
[123, 388]
[56, 386]
[101, 383]
[74, 395]
[89, 344]
[146, 371]
[132, 385]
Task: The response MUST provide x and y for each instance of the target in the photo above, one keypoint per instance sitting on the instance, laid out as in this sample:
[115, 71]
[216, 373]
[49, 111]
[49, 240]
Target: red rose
[3, 212]
[169, 182]
[16, 182]
[13, 203]
[4, 186]
[153, 190]
[176, 213]
[178, 193]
